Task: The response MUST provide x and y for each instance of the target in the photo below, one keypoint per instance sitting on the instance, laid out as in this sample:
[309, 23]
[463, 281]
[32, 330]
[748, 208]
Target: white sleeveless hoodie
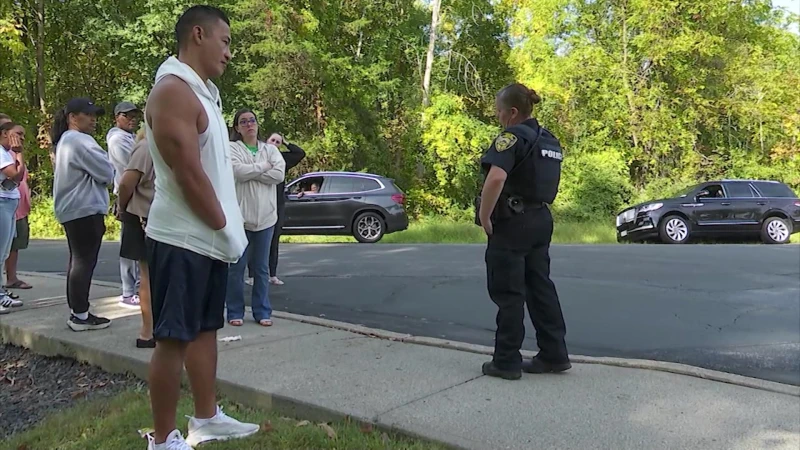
[171, 220]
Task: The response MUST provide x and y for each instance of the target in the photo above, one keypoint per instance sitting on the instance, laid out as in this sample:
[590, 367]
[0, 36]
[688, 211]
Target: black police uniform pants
[518, 274]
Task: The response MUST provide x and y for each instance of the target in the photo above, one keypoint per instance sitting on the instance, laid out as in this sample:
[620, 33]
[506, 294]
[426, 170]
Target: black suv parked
[716, 209]
[340, 203]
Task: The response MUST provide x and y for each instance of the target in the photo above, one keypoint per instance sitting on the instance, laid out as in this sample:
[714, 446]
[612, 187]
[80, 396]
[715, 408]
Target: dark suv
[716, 209]
[341, 203]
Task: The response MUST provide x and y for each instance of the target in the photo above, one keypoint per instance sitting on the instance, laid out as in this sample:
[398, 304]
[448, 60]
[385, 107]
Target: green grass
[113, 424]
[445, 231]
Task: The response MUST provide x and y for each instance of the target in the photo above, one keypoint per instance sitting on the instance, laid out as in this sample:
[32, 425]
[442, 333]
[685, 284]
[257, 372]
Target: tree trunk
[40, 56]
[426, 80]
[626, 78]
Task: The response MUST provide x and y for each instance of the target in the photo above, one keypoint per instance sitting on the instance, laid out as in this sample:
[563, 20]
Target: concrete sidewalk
[326, 372]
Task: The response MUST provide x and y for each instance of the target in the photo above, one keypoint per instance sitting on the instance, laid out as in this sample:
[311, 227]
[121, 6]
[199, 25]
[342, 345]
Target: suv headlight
[651, 207]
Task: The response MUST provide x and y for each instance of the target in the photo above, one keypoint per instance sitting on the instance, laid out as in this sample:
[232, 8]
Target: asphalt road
[734, 308]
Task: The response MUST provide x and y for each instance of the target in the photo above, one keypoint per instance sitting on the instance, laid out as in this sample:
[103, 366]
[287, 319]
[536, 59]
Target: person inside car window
[314, 189]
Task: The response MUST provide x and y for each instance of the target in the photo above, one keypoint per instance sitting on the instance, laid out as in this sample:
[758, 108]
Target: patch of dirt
[32, 386]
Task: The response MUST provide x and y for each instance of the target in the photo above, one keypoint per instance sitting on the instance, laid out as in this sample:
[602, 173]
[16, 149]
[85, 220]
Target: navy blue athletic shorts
[187, 291]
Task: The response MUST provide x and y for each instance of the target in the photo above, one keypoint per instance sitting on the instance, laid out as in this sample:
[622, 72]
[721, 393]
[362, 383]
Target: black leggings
[276, 238]
[84, 237]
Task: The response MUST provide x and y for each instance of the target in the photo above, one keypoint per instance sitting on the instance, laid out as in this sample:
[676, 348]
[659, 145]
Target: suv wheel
[368, 228]
[776, 230]
[674, 230]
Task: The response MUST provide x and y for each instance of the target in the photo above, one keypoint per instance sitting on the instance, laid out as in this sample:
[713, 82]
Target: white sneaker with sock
[174, 441]
[221, 427]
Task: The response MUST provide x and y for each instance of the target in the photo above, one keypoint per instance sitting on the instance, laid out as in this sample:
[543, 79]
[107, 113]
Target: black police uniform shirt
[506, 151]
[502, 153]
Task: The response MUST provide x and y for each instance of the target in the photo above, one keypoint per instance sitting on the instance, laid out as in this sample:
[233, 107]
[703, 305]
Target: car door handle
[725, 204]
[761, 203]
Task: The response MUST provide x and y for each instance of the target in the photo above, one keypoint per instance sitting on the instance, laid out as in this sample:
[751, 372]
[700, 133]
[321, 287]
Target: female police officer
[522, 169]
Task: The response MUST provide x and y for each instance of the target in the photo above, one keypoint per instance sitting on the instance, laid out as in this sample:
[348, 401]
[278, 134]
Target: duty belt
[530, 204]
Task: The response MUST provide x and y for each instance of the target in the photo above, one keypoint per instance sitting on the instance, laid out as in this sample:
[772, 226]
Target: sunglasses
[244, 122]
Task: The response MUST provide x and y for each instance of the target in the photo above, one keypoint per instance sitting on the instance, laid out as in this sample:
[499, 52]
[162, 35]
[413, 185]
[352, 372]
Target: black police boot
[538, 365]
[492, 370]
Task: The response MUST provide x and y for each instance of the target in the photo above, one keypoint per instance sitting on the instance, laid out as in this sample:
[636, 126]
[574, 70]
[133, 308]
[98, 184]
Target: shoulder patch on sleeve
[505, 141]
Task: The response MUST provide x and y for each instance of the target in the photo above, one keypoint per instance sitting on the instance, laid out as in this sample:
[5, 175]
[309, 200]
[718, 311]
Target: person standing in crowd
[292, 157]
[194, 230]
[82, 175]
[120, 140]
[136, 191]
[21, 238]
[522, 179]
[257, 167]
[10, 176]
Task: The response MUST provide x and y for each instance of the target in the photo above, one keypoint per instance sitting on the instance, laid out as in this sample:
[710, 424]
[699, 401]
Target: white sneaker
[174, 442]
[4, 310]
[276, 281]
[8, 302]
[218, 428]
[248, 281]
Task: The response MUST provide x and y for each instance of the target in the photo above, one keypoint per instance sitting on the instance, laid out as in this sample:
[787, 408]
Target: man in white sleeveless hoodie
[194, 231]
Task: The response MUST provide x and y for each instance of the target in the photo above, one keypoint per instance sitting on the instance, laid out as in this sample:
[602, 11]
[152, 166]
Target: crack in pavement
[426, 396]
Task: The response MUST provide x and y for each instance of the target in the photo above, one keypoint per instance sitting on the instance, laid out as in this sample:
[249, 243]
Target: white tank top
[171, 220]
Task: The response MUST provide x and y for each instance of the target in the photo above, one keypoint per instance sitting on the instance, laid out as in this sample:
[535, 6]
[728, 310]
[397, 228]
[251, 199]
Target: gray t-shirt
[82, 175]
[120, 147]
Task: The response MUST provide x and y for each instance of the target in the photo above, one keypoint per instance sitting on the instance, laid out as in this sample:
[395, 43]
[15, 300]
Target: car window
[774, 190]
[338, 185]
[714, 191]
[365, 184]
[740, 190]
[307, 185]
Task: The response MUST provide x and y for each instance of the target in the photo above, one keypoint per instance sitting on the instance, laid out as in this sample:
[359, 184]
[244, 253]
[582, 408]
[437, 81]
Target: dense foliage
[647, 96]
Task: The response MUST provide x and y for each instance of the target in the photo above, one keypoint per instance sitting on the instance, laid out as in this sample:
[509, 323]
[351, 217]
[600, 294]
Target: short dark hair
[519, 96]
[201, 15]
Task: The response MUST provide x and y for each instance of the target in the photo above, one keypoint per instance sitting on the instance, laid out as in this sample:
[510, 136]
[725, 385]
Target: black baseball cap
[83, 105]
[124, 107]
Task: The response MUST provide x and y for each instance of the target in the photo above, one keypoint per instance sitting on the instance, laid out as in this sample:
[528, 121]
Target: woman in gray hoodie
[83, 173]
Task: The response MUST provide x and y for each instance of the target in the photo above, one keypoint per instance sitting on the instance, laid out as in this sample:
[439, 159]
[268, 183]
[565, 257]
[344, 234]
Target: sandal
[18, 284]
[236, 322]
[265, 322]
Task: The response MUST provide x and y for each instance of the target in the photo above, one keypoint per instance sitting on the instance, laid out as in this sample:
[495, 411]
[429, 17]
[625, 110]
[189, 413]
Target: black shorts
[132, 244]
[20, 241]
[187, 291]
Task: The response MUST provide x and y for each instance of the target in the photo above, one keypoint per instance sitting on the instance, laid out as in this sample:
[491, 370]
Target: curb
[234, 392]
[628, 363]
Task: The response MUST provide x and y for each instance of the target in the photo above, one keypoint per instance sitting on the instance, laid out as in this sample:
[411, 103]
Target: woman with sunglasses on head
[82, 175]
[136, 191]
[258, 168]
[292, 158]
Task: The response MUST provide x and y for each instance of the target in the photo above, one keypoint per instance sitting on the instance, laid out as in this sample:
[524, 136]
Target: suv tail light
[797, 204]
[399, 198]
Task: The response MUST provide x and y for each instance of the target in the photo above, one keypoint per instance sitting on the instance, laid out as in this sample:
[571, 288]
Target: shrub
[593, 185]
[44, 225]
